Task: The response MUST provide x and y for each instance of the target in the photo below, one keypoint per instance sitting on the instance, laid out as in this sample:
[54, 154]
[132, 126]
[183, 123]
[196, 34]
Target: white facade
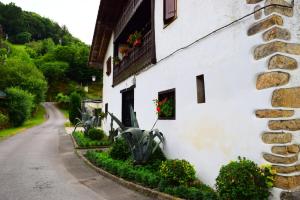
[210, 134]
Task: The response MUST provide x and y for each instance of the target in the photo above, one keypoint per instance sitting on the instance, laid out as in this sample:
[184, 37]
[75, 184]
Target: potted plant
[123, 50]
[135, 39]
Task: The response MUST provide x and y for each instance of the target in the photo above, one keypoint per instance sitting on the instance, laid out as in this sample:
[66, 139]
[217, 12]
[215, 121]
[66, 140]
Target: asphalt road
[40, 164]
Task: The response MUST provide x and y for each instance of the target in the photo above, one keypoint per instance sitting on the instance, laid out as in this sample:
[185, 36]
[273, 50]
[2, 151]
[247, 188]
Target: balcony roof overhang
[108, 15]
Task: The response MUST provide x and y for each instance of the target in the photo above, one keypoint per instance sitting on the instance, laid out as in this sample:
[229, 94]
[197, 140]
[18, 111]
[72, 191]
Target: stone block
[282, 62]
[287, 182]
[276, 33]
[286, 97]
[286, 8]
[265, 50]
[253, 1]
[280, 159]
[286, 150]
[277, 138]
[286, 169]
[258, 13]
[271, 113]
[265, 24]
[288, 125]
[272, 79]
[295, 195]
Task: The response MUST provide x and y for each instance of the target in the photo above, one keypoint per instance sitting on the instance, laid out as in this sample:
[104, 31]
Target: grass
[37, 119]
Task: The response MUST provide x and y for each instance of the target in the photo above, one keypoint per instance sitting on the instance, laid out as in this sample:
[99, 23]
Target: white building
[231, 67]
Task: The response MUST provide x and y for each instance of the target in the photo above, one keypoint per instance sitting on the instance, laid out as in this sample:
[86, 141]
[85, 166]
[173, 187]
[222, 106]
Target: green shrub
[124, 169]
[83, 141]
[243, 180]
[3, 120]
[192, 193]
[141, 175]
[177, 172]
[95, 134]
[19, 105]
[120, 150]
[75, 107]
[155, 160]
[23, 38]
[62, 99]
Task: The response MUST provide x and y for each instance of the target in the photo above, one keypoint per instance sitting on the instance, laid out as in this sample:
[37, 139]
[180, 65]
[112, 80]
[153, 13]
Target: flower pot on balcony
[123, 51]
[137, 43]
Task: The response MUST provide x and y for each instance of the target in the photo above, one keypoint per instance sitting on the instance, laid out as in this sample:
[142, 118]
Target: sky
[78, 15]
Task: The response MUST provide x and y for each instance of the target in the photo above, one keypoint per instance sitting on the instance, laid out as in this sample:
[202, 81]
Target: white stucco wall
[208, 135]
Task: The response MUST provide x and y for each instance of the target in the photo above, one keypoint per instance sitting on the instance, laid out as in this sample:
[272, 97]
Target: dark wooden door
[127, 101]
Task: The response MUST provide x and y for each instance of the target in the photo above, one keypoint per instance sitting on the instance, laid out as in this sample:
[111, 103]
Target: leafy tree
[54, 71]
[15, 21]
[19, 71]
[75, 107]
[20, 104]
[23, 37]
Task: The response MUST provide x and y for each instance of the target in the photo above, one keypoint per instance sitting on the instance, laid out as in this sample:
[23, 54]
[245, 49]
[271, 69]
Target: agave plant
[87, 122]
[142, 143]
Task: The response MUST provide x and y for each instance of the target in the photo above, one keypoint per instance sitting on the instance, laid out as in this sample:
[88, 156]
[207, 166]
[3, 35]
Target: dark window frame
[108, 66]
[169, 20]
[200, 84]
[106, 108]
[161, 96]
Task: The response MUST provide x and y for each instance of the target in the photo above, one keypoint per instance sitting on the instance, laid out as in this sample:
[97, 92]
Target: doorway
[127, 101]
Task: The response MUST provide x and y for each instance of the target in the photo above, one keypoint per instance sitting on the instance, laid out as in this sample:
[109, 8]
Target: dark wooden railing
[127, 14]
[137, 59]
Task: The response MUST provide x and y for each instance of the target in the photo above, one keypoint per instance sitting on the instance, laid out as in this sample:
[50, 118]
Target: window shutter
[170, 9]
[108, 66]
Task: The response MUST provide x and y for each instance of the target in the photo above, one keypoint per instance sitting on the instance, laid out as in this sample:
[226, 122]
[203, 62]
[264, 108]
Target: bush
[23, 38]
[85, 142]
[155, 160]
[140, 174]
[120, 150]
[19, 71]
[242, 179]
[19, 105]
[62, 100]
[75, 106]
[177, 172]
[95, 134]
[3, 120]
[192, 193]
[124, 169]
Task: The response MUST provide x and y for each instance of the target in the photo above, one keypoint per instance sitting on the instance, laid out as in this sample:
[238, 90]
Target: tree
[19, 71]
[54, 71]
[23, 37]
[75, 107]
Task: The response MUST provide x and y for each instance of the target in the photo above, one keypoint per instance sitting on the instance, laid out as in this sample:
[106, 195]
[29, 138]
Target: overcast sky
[78, 15]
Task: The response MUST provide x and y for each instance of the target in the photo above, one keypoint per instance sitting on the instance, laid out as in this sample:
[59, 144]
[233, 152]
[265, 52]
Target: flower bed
[85, 142]
[149, 176]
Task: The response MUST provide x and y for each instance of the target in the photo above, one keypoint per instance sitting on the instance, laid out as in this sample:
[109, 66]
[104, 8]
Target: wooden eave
[108, 15]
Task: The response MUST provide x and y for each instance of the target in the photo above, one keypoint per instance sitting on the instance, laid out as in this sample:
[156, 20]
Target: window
[200, 89]
[170, 11]
[166, 105]
[108, 66]
[106, 108]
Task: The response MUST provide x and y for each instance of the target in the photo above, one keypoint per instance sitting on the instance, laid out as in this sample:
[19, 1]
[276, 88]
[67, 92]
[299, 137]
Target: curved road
[40, 164]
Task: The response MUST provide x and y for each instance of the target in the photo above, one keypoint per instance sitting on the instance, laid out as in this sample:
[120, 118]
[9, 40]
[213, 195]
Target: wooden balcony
[128, 12]
[137, 59]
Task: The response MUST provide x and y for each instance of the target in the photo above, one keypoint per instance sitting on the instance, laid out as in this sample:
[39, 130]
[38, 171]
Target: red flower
[158, 109]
